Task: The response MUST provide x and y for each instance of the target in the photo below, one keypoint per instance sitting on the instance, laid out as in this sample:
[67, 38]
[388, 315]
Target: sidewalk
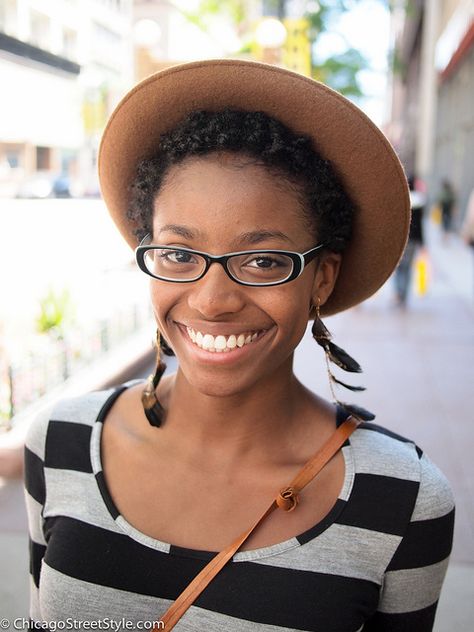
[418, 374]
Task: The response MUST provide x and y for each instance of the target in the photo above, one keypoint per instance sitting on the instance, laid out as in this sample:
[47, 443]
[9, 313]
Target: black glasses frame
[300, 260]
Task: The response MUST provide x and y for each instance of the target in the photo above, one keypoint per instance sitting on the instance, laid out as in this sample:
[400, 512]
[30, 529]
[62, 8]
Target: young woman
[260, 199]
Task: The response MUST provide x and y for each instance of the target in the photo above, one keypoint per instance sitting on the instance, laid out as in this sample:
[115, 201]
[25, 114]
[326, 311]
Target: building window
[43, 158]
[70, 44]
[40, 30]
[13, 158]
[8, 16]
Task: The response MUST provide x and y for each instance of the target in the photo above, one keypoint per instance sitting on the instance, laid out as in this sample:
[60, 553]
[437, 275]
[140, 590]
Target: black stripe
[290, 598]
[380, 503]
[247, 590]
[368, 425]
[109, 402]
[68, 446]
[326, 522]
[417, 621]
[34, 476]
[37, 552]
[104, 492]
[181, 551]
[426, 542]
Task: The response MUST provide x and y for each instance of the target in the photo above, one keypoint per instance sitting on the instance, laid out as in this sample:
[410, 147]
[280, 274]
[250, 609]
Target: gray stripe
[83, 409]
[62, 596]
[35, 612]
[267, 551]
[435, 498]
[95, 447]
[412, 589]
[76, 495]
[342, 550]
[377, 453]
[146, 540]
[349, 474]
[36, 434]
[198, 620]
[35, 520]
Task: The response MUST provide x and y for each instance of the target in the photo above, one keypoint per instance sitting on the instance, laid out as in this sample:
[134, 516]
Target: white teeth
[220, 343]
[208, 341]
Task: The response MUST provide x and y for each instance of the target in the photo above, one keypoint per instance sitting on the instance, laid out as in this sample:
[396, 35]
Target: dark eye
[264, 262]
[177, 256]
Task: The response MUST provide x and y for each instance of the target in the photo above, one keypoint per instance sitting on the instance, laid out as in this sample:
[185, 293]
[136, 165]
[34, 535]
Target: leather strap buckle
[287, 499]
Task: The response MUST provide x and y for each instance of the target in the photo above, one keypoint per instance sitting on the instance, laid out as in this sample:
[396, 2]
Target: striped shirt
[376, 562]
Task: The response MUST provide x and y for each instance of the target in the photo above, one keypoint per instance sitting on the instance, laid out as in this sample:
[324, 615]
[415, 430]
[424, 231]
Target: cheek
[289, 308]
[163, 297]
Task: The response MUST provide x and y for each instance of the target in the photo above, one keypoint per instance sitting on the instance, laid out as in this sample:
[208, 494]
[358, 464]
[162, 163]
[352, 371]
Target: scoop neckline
[295, 541]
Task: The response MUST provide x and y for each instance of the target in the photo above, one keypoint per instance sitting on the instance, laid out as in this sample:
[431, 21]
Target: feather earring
[343, 360]
[152, 408]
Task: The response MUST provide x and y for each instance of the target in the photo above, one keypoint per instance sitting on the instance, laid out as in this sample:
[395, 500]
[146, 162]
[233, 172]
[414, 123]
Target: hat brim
[342, 133]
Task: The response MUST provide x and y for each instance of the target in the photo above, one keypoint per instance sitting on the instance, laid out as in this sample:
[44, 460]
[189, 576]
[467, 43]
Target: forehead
[224, 195]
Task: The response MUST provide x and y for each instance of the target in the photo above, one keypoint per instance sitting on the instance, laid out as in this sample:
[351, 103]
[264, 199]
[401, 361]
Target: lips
[221, 343]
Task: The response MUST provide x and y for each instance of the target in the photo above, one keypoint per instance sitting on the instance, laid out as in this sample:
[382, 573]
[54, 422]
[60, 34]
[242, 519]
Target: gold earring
[152, 408]
[343, 360]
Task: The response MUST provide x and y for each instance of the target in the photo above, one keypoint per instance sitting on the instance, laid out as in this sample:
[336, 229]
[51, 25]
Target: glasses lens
[174, 264]
[261, 267]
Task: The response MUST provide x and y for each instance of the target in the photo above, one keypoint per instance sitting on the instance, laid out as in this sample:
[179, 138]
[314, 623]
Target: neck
[258, 420]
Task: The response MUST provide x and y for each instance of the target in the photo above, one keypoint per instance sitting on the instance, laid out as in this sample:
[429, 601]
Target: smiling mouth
[220, 343]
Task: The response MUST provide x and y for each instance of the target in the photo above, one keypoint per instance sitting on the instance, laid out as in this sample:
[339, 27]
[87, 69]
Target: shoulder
[383, 453]
[380, 451]
[82, 410]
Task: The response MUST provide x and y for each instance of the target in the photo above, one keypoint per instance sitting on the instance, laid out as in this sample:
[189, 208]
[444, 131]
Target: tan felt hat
[360, 153]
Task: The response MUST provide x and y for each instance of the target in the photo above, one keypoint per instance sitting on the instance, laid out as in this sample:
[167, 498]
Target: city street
[418, 373]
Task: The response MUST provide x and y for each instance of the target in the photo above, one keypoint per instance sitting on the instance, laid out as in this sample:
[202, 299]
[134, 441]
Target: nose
[216, 294]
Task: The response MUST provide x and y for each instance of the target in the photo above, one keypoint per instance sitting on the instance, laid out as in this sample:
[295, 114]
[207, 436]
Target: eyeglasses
[247, 267]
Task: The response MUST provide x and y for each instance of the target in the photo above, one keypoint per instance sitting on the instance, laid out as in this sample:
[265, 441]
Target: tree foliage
[339, 71]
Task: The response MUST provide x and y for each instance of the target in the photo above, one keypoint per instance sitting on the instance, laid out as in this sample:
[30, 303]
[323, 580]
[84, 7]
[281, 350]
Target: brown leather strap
[286, 500]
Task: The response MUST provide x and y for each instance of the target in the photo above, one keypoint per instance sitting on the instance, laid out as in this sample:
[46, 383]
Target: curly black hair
[266, 142]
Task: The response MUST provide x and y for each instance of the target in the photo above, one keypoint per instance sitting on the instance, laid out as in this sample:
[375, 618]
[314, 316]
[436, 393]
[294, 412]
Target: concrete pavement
[418, 370]
[418, 373]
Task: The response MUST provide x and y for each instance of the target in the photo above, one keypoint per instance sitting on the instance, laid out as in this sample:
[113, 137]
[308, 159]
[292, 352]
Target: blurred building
[453, 147]
[62, 65]
[166, 33]
[432, 122]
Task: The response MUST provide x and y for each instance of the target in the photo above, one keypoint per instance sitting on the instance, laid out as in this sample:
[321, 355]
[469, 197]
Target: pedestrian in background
[446, 200]
[467, 230]
[403, 273]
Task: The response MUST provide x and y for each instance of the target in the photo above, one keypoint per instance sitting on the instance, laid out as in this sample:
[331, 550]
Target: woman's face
[221, 204]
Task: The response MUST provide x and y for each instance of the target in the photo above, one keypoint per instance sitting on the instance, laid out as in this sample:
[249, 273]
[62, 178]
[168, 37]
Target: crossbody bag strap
[287, 500]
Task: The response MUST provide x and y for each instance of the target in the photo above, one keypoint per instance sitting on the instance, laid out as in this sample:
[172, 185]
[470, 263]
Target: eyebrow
[257, 236]
[182, 231]
[251, 237]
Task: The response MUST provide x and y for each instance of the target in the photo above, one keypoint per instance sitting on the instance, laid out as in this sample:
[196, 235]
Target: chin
[212, 387]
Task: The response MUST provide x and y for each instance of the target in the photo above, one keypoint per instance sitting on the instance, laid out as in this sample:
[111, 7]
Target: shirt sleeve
[413, 579]
[35, 496]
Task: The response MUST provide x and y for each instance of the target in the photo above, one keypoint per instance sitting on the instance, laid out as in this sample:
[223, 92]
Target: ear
[325, 277]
